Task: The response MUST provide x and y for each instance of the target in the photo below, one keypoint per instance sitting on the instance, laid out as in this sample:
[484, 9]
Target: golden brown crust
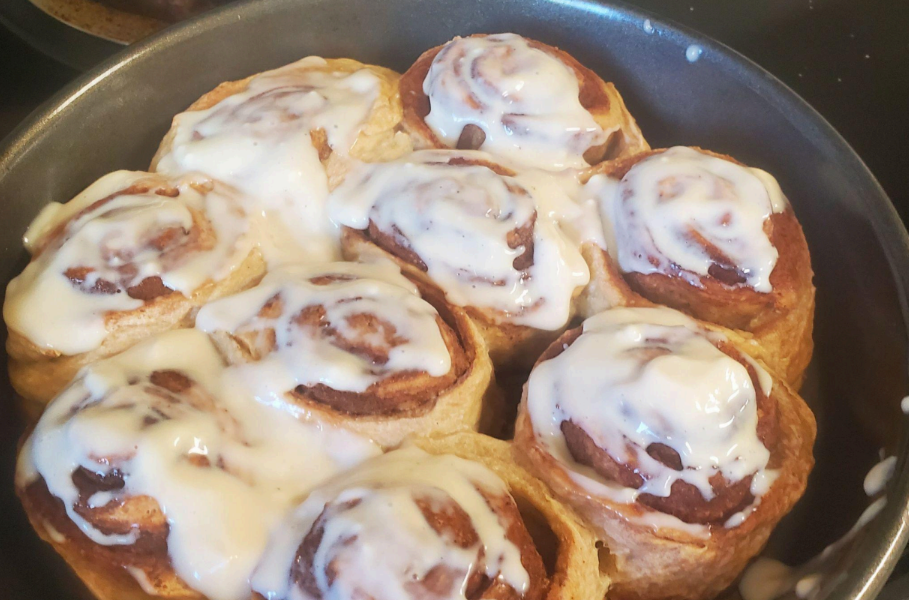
[650, 562]
[569, 550]
[782, 321]
[403, 404]
[379, 140]
[600, 98]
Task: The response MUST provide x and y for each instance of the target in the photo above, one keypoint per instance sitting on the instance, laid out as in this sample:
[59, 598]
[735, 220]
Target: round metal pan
[114, 117]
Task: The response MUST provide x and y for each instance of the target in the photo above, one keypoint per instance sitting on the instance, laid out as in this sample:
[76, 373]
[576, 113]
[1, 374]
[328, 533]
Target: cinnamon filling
[171, 244]
[371, 338]
[684, 501]
[397, 244]
[450, 522]
[592, 96]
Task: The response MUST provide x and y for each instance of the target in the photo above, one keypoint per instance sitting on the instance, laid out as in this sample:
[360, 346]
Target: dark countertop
[848, 59]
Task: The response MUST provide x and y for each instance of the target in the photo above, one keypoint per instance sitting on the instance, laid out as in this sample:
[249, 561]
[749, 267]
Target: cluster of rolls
[267, 368]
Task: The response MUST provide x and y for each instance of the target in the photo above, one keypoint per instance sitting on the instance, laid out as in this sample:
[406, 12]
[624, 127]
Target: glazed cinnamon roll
[358, 345]
[677, 448]
[518, 99]
[285, 137]
[154, 476]
[702, 233]
[448, 518]
[480, 231]
[132, 255]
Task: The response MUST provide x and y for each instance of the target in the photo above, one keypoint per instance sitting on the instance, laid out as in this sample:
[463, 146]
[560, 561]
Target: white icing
[614, 381]
[880, 474]
[524, 99]
[648, 27]
[457, 219]
[766, 579]
[142, 579]
[664, 199]
[384, 542]
[261, 459]
[259, 141]
[56, 314]
[53, 533]
[693, 53]
[807, 586]
[307, 356]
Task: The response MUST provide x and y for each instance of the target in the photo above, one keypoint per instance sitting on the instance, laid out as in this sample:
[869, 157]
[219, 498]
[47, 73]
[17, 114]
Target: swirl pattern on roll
[403, 526]
[128, 240]
[273, 136]
[355, 338]
[692, 215]
[522, 101]
[643, 405]
[480, 231]
[142, 443]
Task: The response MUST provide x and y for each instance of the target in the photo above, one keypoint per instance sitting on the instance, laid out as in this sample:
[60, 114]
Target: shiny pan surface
[682, 88]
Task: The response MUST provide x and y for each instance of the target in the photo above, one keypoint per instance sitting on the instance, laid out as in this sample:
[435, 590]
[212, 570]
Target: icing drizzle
[375, 510]
[685, 213]
[167, 419]
[305, 355]
[616, 381]
[524, 99]
[511, 255]
[91, 253]
[260, 141]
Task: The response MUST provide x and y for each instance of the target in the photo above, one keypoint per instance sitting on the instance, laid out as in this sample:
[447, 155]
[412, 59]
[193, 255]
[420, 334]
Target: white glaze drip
[663, 200]
[877, 478]
[55, 313]
[259, 141]
[614, 381]
[457, 219]
[303, 355]
[693, 53]
[392, 542]
[766, 578]
[524, 99]
[259, 459]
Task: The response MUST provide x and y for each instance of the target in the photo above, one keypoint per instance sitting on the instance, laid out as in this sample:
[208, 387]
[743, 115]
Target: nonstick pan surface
[114, 117]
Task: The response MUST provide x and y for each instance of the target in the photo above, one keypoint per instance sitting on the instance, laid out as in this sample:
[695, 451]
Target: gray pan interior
[115, 115]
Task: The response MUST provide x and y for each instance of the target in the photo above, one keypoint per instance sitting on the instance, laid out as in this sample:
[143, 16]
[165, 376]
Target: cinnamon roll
[702, 233]
[285, 137]
[358, 345]
[448, 518]
[480, 231]
[680, 450]
[518, 99]
[153, 475]
[132, 255]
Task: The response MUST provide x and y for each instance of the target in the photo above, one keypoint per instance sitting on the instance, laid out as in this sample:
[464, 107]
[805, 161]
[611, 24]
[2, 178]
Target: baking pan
[682, 87]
